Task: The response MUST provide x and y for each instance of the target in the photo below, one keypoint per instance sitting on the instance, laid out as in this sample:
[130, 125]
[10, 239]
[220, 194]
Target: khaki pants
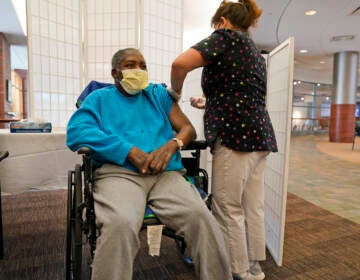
[120, 198]
[238, 203]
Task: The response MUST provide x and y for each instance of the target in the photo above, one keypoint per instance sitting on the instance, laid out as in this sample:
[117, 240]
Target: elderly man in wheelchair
[129, 128]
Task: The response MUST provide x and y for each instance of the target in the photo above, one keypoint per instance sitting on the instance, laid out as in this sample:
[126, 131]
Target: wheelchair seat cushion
[149, 214]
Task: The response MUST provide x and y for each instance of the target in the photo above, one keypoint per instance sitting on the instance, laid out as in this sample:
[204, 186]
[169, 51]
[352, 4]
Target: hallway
[326, 174]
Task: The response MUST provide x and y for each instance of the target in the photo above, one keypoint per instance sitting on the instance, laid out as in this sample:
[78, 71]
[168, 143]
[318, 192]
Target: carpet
[34, 242]
[318, 244]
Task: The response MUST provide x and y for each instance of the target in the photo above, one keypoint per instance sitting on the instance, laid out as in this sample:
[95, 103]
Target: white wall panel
[110, 25]
[53, 45]
[192, 87]
[64, 55]
[279, 104]
[159, 44]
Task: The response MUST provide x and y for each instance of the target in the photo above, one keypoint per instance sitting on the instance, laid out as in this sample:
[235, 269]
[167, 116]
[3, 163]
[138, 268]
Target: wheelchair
[81, 230]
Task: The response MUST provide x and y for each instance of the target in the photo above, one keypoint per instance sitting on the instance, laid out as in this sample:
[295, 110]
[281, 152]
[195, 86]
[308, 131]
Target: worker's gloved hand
[198, 102]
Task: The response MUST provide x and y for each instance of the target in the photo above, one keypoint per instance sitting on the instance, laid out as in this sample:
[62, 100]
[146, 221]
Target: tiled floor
[326, 174]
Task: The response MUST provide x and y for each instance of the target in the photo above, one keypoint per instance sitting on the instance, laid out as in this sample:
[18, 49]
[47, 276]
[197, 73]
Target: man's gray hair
[120, 56]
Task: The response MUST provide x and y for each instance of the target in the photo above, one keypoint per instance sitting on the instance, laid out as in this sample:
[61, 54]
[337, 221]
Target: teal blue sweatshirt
[110, 124]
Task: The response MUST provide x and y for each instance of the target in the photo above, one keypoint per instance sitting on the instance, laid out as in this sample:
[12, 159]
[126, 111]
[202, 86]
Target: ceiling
[280, 20]
[10, 24]
[286, 18]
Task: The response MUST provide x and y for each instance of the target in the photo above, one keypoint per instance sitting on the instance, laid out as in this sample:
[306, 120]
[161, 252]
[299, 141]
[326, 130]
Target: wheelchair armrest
[196, 145]
[84, 151]
[193, 145]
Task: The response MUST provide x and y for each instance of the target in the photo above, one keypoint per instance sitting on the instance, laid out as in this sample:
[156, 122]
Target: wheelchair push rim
[74, 228]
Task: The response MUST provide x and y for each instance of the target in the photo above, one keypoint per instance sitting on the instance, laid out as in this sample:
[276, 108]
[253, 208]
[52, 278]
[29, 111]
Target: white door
[279, 104]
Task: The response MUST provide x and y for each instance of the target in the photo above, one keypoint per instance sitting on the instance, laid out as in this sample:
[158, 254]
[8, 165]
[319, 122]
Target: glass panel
[311, 107]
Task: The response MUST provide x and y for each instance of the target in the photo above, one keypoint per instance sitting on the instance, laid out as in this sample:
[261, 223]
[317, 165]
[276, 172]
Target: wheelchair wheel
[74, 225]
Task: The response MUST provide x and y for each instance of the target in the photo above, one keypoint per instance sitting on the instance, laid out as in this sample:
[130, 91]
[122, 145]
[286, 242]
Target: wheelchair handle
[196, 145]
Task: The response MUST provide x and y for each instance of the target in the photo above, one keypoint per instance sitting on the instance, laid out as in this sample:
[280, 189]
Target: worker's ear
[224, 22]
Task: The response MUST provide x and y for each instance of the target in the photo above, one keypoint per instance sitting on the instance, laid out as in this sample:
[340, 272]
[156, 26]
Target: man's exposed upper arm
[181, 124]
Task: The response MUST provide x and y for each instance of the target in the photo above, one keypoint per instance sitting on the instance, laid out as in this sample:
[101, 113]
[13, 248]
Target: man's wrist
[179, 143]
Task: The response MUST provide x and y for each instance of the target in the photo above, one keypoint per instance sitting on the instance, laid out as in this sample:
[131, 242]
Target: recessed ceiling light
[342, 38]
[310, 12]
[303, 51]
[322, 62]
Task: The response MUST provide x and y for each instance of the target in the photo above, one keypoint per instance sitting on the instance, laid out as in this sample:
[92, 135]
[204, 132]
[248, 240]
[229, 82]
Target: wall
[72, 42]
[25, 93]
[54, 48]
[109, 25]
[17, 94]
[5, 74]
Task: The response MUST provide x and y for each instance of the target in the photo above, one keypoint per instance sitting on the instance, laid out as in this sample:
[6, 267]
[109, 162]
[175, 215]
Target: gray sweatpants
[120, 197]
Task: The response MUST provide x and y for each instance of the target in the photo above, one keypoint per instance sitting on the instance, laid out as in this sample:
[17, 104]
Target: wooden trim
[342, 123]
